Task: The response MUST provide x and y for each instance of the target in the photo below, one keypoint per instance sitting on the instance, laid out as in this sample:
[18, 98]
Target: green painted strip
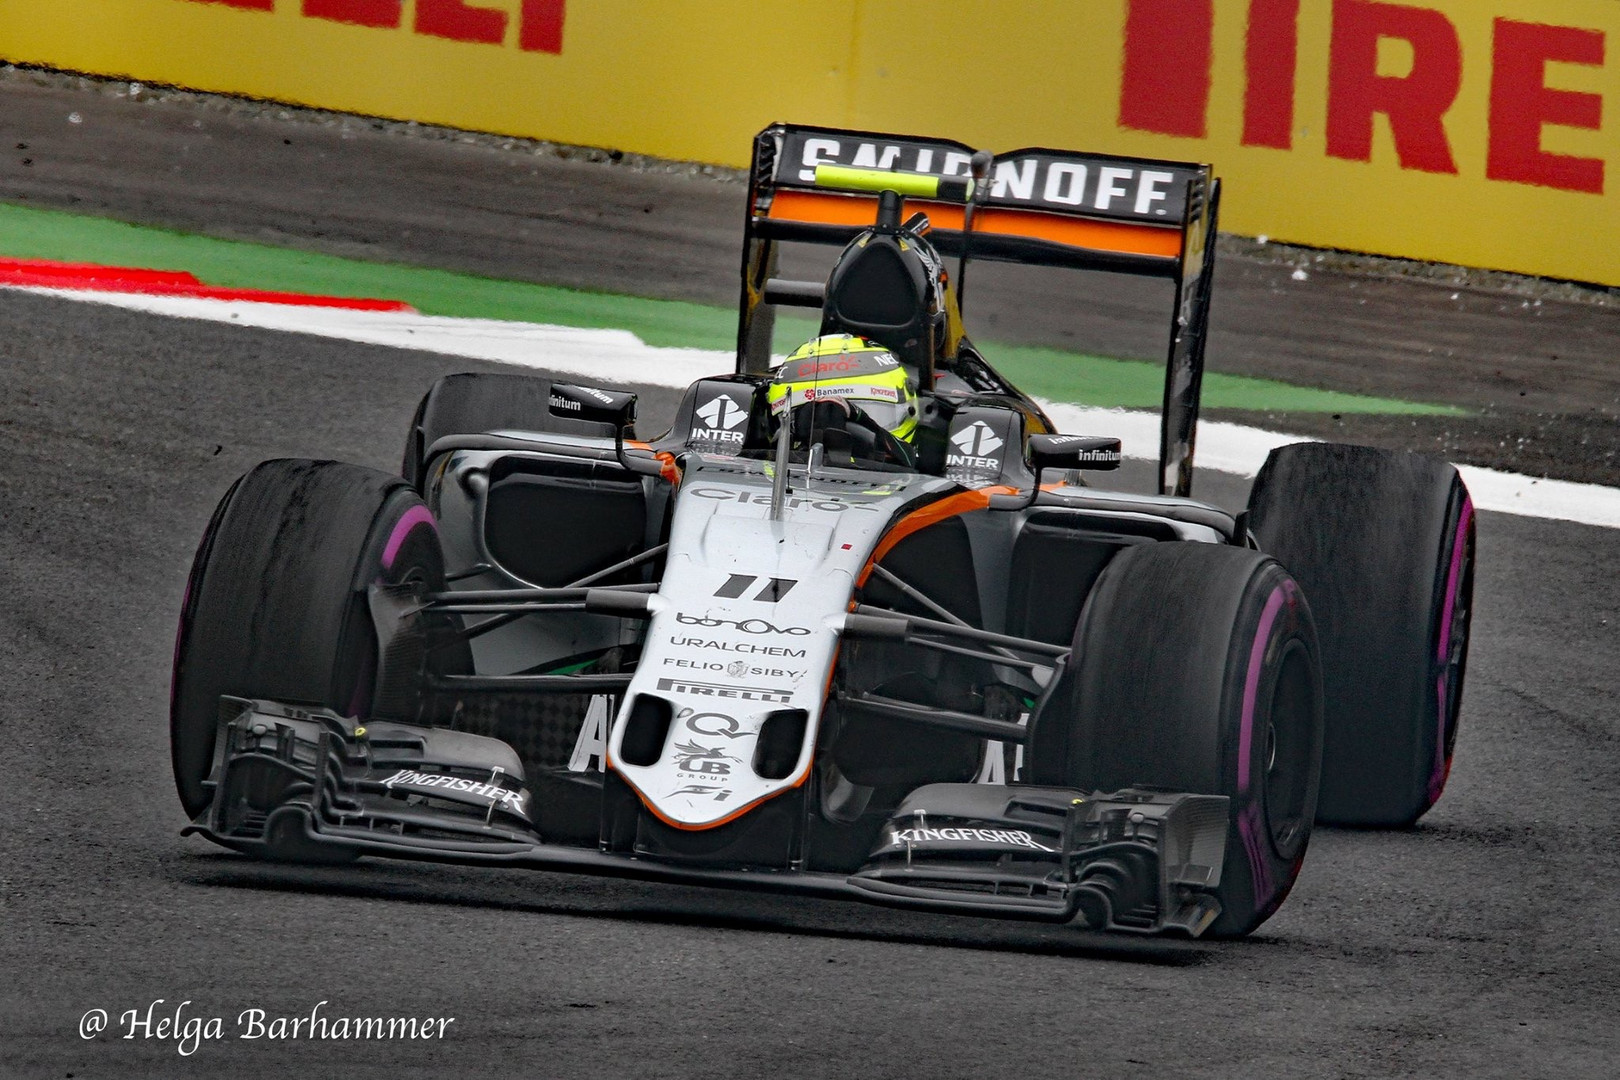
[26, 232]
[47, 234]
[1132, 384]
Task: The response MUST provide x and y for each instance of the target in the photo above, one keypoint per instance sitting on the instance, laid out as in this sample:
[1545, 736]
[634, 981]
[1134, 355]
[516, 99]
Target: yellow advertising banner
[1464, 131]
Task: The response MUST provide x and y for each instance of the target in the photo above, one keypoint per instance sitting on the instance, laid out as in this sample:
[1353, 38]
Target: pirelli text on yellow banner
[1466, 131]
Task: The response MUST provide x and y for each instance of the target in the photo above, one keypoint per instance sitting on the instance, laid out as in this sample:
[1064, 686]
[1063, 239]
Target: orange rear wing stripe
[857, 212]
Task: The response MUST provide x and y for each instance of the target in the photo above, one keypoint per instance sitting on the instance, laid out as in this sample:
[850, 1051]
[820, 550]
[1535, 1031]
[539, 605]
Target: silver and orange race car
[780, 647]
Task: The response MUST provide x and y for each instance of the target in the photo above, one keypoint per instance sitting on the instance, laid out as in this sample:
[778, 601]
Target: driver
[842, 383]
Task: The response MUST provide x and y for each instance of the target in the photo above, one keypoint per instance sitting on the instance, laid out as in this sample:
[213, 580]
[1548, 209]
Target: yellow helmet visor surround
[850, 369]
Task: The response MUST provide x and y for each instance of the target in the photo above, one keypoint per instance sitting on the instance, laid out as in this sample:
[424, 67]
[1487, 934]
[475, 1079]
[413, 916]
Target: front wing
[308, 784]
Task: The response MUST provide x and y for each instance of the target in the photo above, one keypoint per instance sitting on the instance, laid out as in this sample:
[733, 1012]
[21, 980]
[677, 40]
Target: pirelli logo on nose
[723, 690]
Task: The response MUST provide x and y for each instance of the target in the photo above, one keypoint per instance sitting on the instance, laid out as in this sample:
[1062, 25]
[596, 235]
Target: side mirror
[1068, 452]
[615, 407]
[1093, 452]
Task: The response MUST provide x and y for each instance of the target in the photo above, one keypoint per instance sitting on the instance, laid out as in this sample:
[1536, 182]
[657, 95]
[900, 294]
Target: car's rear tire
[1383, 544]
[276, 605]
[1195, 669]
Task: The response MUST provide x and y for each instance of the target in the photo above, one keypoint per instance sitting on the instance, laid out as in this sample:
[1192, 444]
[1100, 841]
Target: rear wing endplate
[1035, 205]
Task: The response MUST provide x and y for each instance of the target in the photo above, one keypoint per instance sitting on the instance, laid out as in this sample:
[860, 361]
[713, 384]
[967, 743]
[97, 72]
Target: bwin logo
[977, 440]
[723, 412]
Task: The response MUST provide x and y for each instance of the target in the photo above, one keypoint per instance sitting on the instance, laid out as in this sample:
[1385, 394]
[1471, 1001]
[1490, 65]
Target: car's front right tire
[1195, 669]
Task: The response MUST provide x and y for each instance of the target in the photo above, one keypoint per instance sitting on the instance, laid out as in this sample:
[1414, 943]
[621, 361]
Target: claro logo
[539, 22]
[1170, 65]
[760, 498]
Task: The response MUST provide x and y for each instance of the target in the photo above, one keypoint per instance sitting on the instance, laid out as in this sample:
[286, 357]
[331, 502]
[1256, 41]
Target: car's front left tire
[276, 604]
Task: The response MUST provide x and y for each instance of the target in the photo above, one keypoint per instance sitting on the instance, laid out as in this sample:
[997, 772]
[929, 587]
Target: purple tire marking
[416, 515]
[1250, 821]
[1437, 779]
[408, 521]
[1250, 826]
[1251, 685]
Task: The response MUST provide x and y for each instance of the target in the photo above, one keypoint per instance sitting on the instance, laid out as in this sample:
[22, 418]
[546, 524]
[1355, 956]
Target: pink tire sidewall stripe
[1459, 546]
[1251, 685]
[1251, 817]
[409, 520]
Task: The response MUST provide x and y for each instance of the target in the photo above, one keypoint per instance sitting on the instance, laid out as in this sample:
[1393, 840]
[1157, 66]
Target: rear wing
[1036, 206]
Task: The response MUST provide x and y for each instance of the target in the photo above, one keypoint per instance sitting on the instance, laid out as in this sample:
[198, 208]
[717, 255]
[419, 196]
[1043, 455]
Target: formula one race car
[855, 626]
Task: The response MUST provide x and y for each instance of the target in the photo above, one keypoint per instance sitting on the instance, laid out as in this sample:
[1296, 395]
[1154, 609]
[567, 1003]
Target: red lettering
[1415, 104]
[1168, 54]
[457, 21]
[249, 5]
[1270, 55]
[541, 28]
[383, 13]
[1521, 103]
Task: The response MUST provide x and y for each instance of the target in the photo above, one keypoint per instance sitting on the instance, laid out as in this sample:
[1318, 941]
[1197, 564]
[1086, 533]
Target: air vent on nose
[781, 737]
[645, 731]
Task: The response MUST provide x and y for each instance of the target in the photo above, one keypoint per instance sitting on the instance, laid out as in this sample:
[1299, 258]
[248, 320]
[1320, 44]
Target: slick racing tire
[470, 403]
[276, 603]
[1383, 544]
[1195, 669]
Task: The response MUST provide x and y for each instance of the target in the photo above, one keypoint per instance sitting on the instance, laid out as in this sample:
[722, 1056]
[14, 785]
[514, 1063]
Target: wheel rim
[1285, 788]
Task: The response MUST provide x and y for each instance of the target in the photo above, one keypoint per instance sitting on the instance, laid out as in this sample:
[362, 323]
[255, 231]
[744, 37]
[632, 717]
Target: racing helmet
[851, 370]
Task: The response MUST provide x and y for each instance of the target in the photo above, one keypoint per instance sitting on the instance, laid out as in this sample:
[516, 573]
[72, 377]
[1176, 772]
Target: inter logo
[977, 440]
[723, 412]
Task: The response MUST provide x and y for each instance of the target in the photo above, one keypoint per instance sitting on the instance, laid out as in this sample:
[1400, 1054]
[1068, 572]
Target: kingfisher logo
[504, 798]
[1014, 838]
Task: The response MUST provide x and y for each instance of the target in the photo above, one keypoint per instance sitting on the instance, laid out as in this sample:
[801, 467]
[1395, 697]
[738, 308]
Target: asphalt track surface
[1480, 943]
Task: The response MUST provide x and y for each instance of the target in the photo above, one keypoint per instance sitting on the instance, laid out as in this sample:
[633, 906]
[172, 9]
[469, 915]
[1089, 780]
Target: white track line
[621, 357]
